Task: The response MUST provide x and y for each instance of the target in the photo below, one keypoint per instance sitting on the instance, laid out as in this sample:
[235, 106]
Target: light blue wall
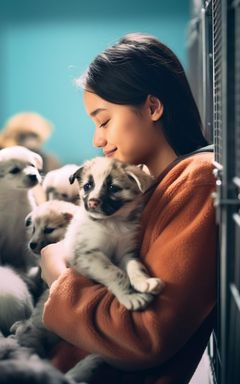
[44, 45]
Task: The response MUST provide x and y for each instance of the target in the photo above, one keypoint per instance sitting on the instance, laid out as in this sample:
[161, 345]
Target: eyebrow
[96, 111]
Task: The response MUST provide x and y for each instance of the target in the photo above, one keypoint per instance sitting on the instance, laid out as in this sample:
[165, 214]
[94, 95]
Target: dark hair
[140, 65]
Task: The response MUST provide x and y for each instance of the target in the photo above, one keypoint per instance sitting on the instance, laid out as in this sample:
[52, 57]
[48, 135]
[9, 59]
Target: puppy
[18, 365]
[15, 299]
[57, 187]
[46, 224]
[28, 129]
[111, 194]
[18, 174]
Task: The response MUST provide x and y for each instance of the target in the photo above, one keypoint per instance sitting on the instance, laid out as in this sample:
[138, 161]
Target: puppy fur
[15, 300]
[45, 224]
[18, 174]
[57, 187]
[28, 129]
[111, 194]
[18, 365]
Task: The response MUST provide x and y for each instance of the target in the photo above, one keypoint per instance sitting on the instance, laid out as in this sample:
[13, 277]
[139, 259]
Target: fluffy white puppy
[18, 174]
[57, 187]
[15, 299]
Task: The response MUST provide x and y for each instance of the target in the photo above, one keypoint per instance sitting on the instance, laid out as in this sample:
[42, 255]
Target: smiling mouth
[110, 153]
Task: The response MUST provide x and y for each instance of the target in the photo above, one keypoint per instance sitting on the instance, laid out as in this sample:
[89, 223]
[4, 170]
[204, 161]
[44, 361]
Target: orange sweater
[178, 244]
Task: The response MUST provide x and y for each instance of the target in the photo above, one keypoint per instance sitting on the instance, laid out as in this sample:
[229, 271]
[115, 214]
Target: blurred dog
[46, 224]
[31, 130]
[18, 365]
[27, 129]
[18, 174]
[57, 187]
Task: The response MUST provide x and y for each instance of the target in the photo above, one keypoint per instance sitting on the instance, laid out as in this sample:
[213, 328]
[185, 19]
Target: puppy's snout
[93, 203]
[33, 245]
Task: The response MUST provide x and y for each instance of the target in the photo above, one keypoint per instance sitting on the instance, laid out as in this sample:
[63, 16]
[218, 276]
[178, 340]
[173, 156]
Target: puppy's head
[56, 184]
[109, 187]
[19, 167]
[47, 223]
[28, 129]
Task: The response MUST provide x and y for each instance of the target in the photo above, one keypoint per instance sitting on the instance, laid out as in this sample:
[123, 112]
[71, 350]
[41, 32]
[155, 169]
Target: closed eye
[104, 124]
[48, 230]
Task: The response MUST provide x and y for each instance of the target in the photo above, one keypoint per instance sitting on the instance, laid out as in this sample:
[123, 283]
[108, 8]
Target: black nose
[33, 245]
[33, 178]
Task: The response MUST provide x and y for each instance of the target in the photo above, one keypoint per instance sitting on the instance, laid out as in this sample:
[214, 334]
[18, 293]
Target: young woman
[138, 96]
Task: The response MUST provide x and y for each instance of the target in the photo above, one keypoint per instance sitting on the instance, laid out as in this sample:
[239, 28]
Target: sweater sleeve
[179, 241]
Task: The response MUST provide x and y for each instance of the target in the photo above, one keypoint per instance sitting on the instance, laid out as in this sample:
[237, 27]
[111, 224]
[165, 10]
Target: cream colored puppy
[18, 175]
[57, 187]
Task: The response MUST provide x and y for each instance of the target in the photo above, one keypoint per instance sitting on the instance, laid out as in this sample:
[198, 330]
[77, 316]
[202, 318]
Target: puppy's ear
[28, 220]
[141, 178]
[38, 160]
[76, 175]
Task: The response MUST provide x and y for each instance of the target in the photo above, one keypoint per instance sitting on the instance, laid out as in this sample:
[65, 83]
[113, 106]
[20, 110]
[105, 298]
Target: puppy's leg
[139, 276]
[96, 265]
[32, 334]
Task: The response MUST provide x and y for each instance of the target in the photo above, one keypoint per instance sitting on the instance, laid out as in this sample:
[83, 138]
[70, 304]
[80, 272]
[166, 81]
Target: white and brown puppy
[18, 175]
[57, 187]
[47, 223]
[101, 240]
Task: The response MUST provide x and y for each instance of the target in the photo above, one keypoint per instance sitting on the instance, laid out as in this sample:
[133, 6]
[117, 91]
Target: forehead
[93, 102]
[101, 168]
[20, 155]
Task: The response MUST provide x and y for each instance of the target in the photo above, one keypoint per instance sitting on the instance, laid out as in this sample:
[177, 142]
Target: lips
[110, 153]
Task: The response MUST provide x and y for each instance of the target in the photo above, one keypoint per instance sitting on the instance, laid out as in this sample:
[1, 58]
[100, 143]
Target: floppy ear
[141, 178]
[38, 160]
[76, 175]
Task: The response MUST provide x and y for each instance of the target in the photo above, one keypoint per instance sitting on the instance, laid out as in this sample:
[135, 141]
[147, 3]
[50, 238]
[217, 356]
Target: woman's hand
[52, 262]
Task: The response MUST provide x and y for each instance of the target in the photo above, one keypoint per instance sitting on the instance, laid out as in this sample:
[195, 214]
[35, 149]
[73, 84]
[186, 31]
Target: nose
[93, 203]
[33, 245]
[33, 178]
[98, 139]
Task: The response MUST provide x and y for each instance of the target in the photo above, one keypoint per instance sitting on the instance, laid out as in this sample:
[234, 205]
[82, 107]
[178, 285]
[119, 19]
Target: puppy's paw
[151, 285]
[135, 301]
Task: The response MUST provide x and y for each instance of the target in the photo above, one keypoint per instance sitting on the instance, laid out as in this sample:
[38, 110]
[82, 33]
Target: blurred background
[45, 45]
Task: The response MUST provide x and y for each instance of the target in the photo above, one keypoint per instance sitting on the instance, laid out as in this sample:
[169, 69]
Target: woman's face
[123, 132]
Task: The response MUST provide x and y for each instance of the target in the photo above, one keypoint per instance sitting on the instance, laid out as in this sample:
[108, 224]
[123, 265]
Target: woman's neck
[160, 160]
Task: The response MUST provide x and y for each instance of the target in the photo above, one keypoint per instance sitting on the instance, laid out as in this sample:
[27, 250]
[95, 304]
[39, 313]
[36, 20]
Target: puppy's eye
[28, 221]
[15, 170]
[87, 187]
[64, 196]
[48, 230]
[113, 188]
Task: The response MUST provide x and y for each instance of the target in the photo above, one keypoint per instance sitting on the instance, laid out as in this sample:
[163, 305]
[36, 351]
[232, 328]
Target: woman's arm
[179, 246]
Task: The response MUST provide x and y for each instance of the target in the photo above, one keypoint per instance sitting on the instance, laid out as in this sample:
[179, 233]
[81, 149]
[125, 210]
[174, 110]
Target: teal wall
[45, 45]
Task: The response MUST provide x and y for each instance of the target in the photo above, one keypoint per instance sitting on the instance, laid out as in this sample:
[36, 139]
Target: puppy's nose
[93, 203]
[33, 245]
[33, 178]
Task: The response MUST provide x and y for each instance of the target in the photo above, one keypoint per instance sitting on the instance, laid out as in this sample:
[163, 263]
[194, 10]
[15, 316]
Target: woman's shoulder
[196, 169]
[185, 175]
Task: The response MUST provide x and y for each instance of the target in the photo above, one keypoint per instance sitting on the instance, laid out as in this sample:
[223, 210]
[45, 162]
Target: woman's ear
[155, 107]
